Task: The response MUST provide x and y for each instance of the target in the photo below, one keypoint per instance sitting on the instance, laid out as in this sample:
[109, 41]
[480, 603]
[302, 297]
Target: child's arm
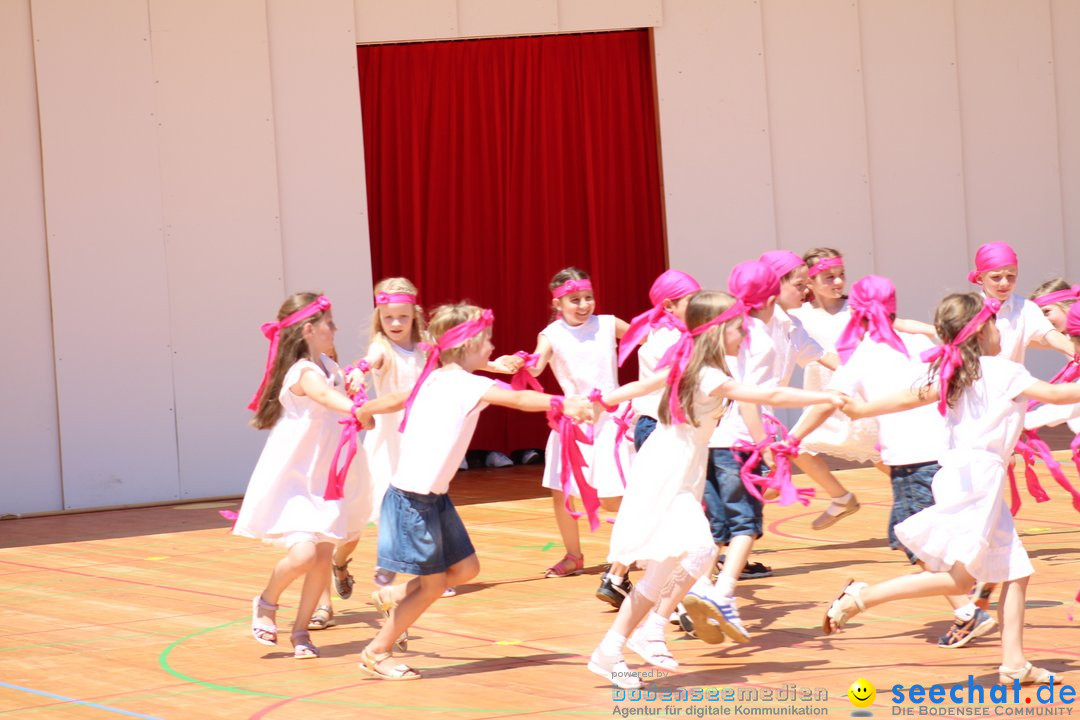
[621, 326]
[313, 384]
[830, 360]
[1063, 394]
[1054, 340]
[635, 389]
[578, 408]
[778, 396]
[899, 401]
[811, 420]
[543, 349]
[915, 327]
[389, 403]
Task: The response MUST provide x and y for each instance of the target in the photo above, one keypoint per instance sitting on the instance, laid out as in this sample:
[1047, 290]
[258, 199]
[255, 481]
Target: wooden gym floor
[144, 613]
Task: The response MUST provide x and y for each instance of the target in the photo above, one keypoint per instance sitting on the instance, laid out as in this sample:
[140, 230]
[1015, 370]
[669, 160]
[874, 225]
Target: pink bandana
[670, 285]
[992, 256]
[753, 282]
[384, 298]
[781, 261]
[272, 331]
[453, 337]
[571, 286]
[950, 353]
[1059, 296]
[872, 299]
[678, 356]
[825, 264]
[1072, 320]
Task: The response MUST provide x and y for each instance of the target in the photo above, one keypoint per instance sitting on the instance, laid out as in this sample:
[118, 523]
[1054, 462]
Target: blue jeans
[643, 429]
[420, 534]
[912, 493]
[731, 509]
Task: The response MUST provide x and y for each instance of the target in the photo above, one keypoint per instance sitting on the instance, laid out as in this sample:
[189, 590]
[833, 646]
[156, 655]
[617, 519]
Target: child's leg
[568, 531]
[343, 582]
[1011, 618]
[923, 584]
[315, 584]
[300, 558]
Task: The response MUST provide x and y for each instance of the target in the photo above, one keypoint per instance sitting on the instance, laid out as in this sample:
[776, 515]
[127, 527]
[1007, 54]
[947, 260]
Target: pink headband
[678, 356]
[992, 256]
[825, 264]
[950, 352]
[753, 282]
[670, 285]
[872, 299]
[453, 337]
[1072, 320]
[571, 286]
[272, 331]
[1059, 296]
[781, 261]
[385, 298]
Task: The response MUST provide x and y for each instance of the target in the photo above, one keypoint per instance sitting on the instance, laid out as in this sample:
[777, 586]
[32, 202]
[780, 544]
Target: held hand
[508, 364]
[838, 400]
[853, 409]
[366, 420]
[768, 457]
[354, 383]
[578, 408]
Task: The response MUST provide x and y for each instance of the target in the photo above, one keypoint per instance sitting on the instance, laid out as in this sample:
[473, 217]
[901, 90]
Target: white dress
[284, 502]
[399, 372]
[969, 521]
[838, 435]
[661, 515]
[583, 358]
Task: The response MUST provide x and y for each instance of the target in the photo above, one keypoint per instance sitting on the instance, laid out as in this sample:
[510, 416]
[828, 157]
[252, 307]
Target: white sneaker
[727, 616]
[613, 669]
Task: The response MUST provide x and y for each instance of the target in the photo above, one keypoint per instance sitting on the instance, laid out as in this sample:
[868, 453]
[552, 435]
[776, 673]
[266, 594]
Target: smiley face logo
[862, 693]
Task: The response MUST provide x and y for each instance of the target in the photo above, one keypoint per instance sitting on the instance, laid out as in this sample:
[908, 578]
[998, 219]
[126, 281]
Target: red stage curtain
[492, 164]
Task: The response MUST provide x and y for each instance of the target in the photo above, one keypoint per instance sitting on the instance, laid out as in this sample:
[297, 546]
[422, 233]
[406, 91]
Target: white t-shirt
[989, 416]
[649, 355]
[584, 357]
[441, 424]
[875, 370]
[1020, 323]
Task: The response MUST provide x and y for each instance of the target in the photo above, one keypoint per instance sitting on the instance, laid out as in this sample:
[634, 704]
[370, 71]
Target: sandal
[836, 510]
[654, 652]
[384, 608]
[322, 618]
[569, 565]
[836, 617]
[369, 663]
[343, 587]
[264, 633]
[1028, 675]
[303, 649]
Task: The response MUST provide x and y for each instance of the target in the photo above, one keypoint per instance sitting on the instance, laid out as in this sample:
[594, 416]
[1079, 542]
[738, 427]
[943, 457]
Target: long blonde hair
[952, 314]
[708, 350]
[291, 348]
[419, 332]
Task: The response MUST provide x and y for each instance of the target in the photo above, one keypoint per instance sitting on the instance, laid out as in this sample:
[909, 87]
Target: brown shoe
[839, 510]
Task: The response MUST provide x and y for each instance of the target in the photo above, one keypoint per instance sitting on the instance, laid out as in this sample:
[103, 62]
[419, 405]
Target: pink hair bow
[385, 298]
[453, 337]
[571, 286]
[272, 332]
[778, 478]
[825, 264]
[572, 463]
[872, 300]
[523, 378]
[949, 353]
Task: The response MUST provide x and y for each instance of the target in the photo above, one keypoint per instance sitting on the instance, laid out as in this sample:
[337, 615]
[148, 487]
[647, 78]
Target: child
[394, 362]
[580, 346]
[284, 499]
[420, 532]
[879, 361]
[1050, 415]
[661, 522]
[1055, 297]
[1019, 321]
[968, 534]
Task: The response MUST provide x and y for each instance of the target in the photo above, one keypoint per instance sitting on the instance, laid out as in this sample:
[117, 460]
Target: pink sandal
[570, 565]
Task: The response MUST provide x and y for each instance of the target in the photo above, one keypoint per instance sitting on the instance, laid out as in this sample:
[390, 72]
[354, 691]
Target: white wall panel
[106, 255]
[29, 440]
[915, 148]
[581, 15]
[480, 18]
[818, 128]
[222, 233]
[1066, 22]
[320, 155]
[381, 21]
[714, 124]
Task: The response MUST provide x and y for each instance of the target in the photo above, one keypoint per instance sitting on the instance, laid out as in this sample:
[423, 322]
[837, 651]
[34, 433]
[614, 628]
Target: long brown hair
[952, 314]
[291, 347]
[708, 350]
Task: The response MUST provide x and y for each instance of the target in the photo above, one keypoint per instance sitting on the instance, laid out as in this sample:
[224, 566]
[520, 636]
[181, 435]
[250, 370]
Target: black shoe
[685, 622]
[755, 570]
[614, 594]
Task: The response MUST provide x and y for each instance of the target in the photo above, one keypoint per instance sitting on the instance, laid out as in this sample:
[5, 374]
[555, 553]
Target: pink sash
[779, 477]
[572, 463]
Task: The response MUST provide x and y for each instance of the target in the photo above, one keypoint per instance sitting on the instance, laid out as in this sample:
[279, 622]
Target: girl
[968, 534]
[420, 532]
[580, 347]
[661, 522]
[1055, 297]
[825, 318]
[284, 499]
[394, 362]
[1050, 415]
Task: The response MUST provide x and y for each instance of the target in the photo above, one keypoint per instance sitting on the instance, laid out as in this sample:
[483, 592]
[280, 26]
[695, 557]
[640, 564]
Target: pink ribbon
[754, 282]
[349, 441]
[571, 286]
[992, 256]
[1072, 320]
[678, 355]
[670, 285]
[572, 463]
[623, 421]
[779, 477]
[825, 264]
[523, 378]
[385, 298]
[272, 332]
[872, 301]
[363, 366]
[781, 261]
[1059, 296]
[949, 353]
[450, 339]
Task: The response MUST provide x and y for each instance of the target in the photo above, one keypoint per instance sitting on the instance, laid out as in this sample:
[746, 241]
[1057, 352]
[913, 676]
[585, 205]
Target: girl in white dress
[393, 362]
[283, 504]
[581, 348]
[968, 534]
[661, 523]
